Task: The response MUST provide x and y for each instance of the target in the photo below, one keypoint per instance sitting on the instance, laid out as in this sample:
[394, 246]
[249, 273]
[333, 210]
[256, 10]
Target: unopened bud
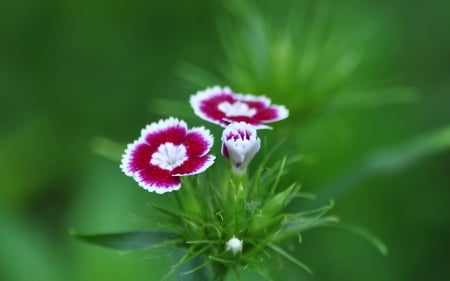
[234, 245]
[240, 144]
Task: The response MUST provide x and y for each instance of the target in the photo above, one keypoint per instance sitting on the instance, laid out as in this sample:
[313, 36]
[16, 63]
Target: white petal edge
[283, 113]
[250, 98]
[162, 125]
[126, 158]
[207, 136]
[155, 188]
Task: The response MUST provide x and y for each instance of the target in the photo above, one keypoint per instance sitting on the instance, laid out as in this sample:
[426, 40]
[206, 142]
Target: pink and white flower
[240, 144]
[222, 106]
[165, 151]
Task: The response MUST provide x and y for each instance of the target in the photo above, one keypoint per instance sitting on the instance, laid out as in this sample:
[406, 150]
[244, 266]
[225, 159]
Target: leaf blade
[131, 240]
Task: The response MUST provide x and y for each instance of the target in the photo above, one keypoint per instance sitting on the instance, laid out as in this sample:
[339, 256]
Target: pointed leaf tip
[131, 240]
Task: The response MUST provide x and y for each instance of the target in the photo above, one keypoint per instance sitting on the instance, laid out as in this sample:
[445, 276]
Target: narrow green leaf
[203, 242]
[279, 200]
[197, 268]
[262, 271]
[300, 225]
[277, 180]
[167, 211]
[196, 76]
[370, 237]
[191, 259]
[185, 258]
[290, 258]
[107, 148]
[317, 212]
[268, 156]
[214, 258]
[132, 240]
[163, 106]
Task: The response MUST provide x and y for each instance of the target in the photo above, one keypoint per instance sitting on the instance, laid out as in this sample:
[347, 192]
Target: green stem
[237, 201]
[239, 178]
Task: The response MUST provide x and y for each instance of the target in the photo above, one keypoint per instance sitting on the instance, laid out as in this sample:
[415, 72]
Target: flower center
[169, 156]
[236, 109]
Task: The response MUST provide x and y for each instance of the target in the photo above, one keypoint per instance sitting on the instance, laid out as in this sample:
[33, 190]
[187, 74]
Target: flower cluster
[167, 149]
[228, 218]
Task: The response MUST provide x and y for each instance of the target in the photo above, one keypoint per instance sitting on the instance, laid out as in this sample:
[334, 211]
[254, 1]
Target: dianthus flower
[222, 106]
[165, 151]
[240, 144]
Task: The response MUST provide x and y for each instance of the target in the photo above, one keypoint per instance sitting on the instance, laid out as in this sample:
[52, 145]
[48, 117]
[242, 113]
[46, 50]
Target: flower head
[234, 245]
[165, 151]
[240, 144]
[222, 106]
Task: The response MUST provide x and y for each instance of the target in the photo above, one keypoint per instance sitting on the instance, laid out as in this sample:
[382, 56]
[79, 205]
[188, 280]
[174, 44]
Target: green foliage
[71, 71]
[126, 240]
[307, 57]
[388, 160]
[209, 210]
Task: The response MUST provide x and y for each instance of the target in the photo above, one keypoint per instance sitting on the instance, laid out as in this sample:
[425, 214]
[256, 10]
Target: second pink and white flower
[222, 106]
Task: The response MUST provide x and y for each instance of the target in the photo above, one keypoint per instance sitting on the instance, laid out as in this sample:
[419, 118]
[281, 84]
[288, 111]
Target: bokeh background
[367, 84]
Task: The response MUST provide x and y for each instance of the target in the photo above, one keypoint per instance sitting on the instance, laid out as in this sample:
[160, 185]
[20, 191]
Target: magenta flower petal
[136, 157]
[194, 165]
[222, 106]
[198, 142]
[155, 179]
[165, 151]
[169, 130]
[272, 114]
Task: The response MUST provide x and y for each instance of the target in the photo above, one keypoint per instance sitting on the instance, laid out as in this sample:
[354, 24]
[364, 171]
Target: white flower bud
[240, 144]
[234, 245]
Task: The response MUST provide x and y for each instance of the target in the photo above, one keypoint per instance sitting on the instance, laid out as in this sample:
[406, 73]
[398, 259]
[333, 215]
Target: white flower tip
[238, 127]
[283, 112]
[126, 158]
[206, 134]
[240, 144]
[234, 245]
[206, 93]
[252, 98]
[162, 124]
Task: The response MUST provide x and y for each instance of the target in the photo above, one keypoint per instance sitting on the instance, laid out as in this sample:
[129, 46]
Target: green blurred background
[366, 82]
